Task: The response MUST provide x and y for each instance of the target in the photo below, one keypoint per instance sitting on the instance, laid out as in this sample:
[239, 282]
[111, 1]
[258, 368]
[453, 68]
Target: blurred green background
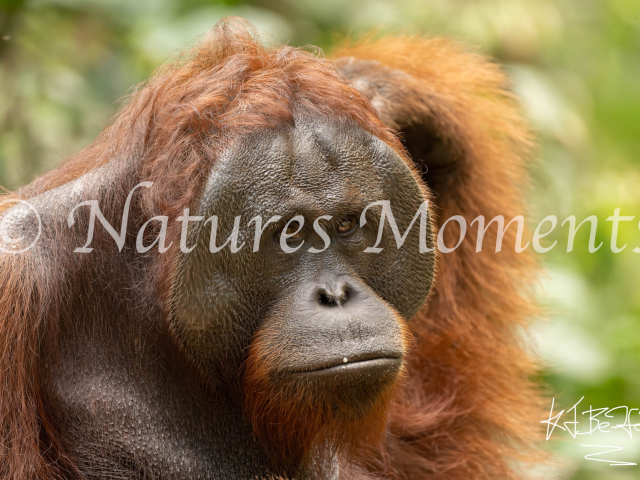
[576, 64]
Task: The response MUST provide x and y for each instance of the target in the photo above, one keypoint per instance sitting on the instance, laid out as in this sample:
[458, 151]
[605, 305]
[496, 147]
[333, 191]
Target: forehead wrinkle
[311, 166]
[322, 161]
[310, 207]
[335, 142]
[332, 186]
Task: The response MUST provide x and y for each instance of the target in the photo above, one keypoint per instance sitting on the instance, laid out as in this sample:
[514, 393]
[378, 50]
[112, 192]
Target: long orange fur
[468, 407]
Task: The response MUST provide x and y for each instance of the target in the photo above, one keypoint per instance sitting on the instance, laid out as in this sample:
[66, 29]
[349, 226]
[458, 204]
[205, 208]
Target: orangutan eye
[346, 226]
[292, 231]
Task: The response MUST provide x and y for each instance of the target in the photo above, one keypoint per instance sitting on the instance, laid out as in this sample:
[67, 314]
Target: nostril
[334, 297]
[327, 300]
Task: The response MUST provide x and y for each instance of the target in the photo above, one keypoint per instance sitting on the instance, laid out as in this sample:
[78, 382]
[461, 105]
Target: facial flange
[324, 311]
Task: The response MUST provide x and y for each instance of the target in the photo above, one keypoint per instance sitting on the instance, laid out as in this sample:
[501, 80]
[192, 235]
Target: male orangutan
[310, 345]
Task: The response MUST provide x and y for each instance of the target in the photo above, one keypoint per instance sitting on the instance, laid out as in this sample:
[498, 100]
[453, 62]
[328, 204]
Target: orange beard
[305, 423]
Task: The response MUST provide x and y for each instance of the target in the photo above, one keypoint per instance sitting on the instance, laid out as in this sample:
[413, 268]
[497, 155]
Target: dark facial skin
[139, 399]
[339, 303]
[330, 321]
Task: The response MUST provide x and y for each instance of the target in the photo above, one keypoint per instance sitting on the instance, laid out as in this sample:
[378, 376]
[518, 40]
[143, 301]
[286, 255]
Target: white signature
[600, 420]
